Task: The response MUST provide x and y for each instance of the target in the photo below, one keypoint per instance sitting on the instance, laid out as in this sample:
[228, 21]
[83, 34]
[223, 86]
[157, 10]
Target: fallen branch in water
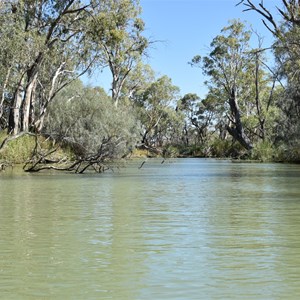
[41, 160]
[4, 165]
[142, 164]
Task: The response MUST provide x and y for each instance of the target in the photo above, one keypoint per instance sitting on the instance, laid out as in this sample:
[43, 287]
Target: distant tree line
[251, 110]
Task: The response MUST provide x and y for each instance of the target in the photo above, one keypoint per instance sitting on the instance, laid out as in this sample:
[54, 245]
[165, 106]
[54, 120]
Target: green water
[185, 229]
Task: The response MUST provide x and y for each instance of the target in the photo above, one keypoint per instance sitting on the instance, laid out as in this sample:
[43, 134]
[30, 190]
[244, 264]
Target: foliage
[201, 118]
[45, 45]
[116, 34]
[227, 148]
[287, 53]
[138, 80]
[191, 151]
[263, 151]
[86, 119]
[45, 54]
[155, 108]
[19, 150]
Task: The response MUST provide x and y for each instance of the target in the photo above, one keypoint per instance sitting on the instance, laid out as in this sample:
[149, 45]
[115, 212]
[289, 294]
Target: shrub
[263, 151]
[91, 125]
[226, 148]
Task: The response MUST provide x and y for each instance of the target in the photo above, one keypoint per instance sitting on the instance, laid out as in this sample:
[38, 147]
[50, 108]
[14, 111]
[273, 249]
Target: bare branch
[263, 11]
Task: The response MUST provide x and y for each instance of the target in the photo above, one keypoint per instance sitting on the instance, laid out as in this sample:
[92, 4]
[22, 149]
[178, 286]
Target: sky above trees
[183, 29]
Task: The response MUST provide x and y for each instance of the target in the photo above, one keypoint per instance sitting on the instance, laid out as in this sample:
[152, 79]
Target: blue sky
[185, 28]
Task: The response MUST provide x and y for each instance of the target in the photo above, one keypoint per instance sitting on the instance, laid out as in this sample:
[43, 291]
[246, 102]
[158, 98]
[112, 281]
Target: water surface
[185, 229]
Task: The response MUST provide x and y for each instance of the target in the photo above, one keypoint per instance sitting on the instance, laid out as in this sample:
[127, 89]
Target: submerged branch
[41, 160]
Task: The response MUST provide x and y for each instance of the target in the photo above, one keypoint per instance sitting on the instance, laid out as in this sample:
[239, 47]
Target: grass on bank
[20, 150]
[17, 151]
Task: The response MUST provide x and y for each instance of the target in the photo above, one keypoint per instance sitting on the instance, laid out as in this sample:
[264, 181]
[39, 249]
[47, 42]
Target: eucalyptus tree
[188, 105]
[235, 71]
[117, 38]
[155, 108]
[285, 27]
[44, 30]
[47, 44]
[287, 52]
[225, 65]
[138, 80]
[12, 56]
[200, 118]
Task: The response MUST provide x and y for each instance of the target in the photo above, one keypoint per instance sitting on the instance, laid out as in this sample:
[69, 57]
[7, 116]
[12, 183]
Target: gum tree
[117, 38]
[44, 30]
[155, 107]
[240, 82]
[225, 66]
[285, 27]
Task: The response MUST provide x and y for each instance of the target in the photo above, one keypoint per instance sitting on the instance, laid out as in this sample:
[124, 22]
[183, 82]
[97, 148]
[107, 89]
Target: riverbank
[32, 150]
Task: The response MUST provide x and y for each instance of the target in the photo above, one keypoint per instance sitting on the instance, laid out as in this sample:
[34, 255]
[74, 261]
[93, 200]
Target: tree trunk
[28, 99]
[261, 118]
[115, 90]
[32, 105]
[185, 135]
[3, 91]
[14, 114]
[40, 122]
[237, 131]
